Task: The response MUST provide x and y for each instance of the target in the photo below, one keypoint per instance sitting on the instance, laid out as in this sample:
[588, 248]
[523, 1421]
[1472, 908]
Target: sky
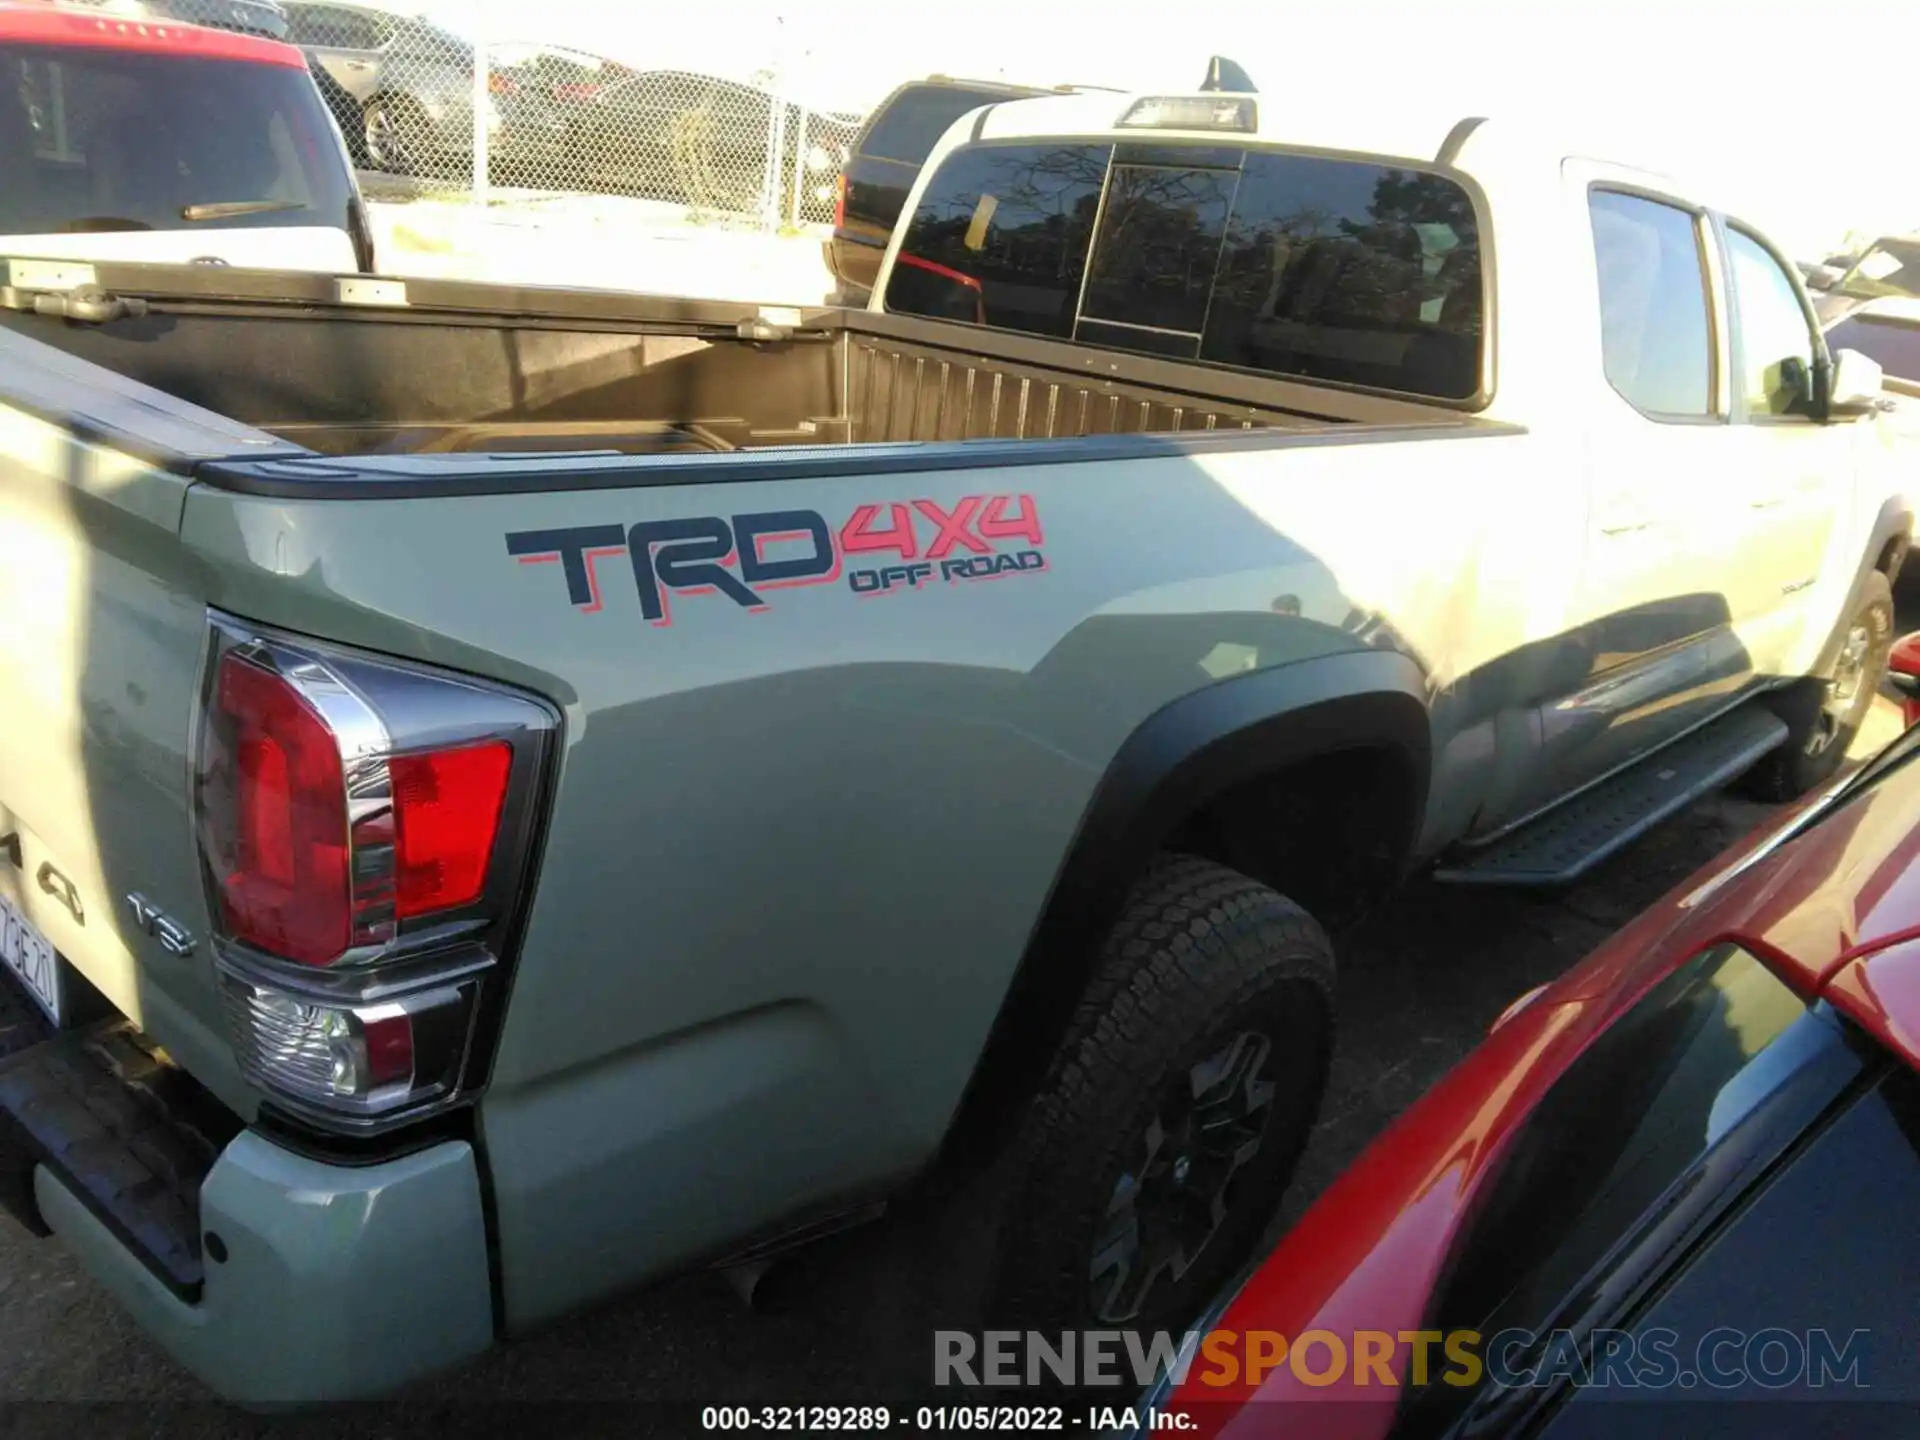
[1772, 104]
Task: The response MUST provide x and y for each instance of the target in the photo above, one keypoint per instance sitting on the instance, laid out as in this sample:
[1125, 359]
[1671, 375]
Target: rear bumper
[338, 1283]
[277, 1278]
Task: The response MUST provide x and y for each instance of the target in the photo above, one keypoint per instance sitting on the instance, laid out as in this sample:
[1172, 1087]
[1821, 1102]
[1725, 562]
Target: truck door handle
[1767, 503]
[1625, 527]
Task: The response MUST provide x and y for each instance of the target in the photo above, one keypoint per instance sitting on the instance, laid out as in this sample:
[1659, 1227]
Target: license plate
[30, 955]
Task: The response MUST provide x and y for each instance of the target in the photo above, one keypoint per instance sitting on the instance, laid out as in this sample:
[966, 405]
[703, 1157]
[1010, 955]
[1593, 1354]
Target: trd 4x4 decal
[747, 556]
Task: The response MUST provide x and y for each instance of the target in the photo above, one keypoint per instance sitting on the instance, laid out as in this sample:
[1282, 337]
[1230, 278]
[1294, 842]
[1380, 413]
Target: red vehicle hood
[1835, 911]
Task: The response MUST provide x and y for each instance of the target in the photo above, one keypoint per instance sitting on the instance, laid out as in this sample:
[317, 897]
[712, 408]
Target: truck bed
[791, 661]
[486, 369]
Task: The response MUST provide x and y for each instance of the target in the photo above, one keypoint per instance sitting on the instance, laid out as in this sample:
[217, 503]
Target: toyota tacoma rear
[510, 793]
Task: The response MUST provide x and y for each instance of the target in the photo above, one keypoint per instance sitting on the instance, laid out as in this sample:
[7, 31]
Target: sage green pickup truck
[508, 794]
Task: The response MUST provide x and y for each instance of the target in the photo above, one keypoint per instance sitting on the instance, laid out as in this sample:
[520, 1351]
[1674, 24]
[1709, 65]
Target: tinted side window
[1814, 1258]
[337, 29]
[912, 125]
[1893, 346]
[303, 25]
[421, 42]
[1362, 274]
[1626, 1120]
[1655, 338]
[1776, 340]
[1003, 232]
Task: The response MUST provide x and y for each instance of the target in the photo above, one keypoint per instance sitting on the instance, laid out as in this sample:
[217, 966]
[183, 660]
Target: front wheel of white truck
[1170, 1122]
[1824, 713]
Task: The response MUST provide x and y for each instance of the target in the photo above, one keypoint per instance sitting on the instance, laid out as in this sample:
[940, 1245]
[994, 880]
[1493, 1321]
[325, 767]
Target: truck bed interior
[463, 368]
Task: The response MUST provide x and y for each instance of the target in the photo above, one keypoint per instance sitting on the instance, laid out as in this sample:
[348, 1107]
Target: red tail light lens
[283, 877]
[446, 811]
[840, 202]
[365, 828]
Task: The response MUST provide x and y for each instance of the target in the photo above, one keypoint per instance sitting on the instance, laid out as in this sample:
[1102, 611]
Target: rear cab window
[98, 140]
[1345, 271]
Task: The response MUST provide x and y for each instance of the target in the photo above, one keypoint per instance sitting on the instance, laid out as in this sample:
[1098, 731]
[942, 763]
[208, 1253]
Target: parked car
[168, 144]
[1675, 1174]
[884, 161]
[1887, 330]
[893, 145]
[402, 90]
[704, 141]
[562, 75]
[1903, 677]
[563, 787]
[249, 17]
[1887, 269]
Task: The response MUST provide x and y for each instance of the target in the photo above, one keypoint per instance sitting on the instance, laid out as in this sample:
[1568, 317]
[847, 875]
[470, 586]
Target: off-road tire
[1821, 723]
[1200, 958]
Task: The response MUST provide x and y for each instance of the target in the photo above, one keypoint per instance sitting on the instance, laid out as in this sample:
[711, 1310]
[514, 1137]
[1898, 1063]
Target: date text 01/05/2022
[976, 1419]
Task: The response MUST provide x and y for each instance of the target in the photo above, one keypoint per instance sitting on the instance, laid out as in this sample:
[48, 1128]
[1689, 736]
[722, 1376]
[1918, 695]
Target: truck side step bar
[1571, 839]
[129, 1134]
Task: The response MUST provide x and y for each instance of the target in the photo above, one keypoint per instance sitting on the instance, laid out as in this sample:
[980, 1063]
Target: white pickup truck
[539, 789]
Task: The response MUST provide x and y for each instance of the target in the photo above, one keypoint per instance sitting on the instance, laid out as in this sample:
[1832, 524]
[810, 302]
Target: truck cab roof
[49, 22]
[1466, 143]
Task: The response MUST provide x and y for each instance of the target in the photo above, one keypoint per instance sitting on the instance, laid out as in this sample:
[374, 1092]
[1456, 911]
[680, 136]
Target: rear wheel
[395, 136]
[1824, 714]
[1160, 1145]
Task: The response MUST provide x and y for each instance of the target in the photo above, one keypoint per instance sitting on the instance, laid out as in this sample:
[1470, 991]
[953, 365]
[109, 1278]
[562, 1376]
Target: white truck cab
[1707, 483]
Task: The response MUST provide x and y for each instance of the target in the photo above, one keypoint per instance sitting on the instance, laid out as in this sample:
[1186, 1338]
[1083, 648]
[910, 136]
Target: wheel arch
[1228, 740]
[1885, 552]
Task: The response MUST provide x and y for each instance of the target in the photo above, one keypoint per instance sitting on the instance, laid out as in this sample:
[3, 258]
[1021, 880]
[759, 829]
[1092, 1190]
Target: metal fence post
[482, 102]
[800, 149]
[775, 171]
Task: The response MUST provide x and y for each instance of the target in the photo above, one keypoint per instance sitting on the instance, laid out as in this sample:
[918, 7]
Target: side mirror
[1853, 385]
[1903, 677]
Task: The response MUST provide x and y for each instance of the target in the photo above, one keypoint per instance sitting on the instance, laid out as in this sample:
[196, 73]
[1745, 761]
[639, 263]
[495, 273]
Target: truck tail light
[840, 201]
[1191, 112]
[366, 831]
[284, 888]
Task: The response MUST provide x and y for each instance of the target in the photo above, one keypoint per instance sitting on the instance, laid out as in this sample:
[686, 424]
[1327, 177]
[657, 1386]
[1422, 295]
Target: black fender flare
[1191, 750]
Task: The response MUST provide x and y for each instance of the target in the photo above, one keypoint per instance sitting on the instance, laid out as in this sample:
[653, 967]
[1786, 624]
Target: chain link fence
[426, 111]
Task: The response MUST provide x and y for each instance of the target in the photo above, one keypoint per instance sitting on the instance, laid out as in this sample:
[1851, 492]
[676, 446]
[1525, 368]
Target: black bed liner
[468, 388]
